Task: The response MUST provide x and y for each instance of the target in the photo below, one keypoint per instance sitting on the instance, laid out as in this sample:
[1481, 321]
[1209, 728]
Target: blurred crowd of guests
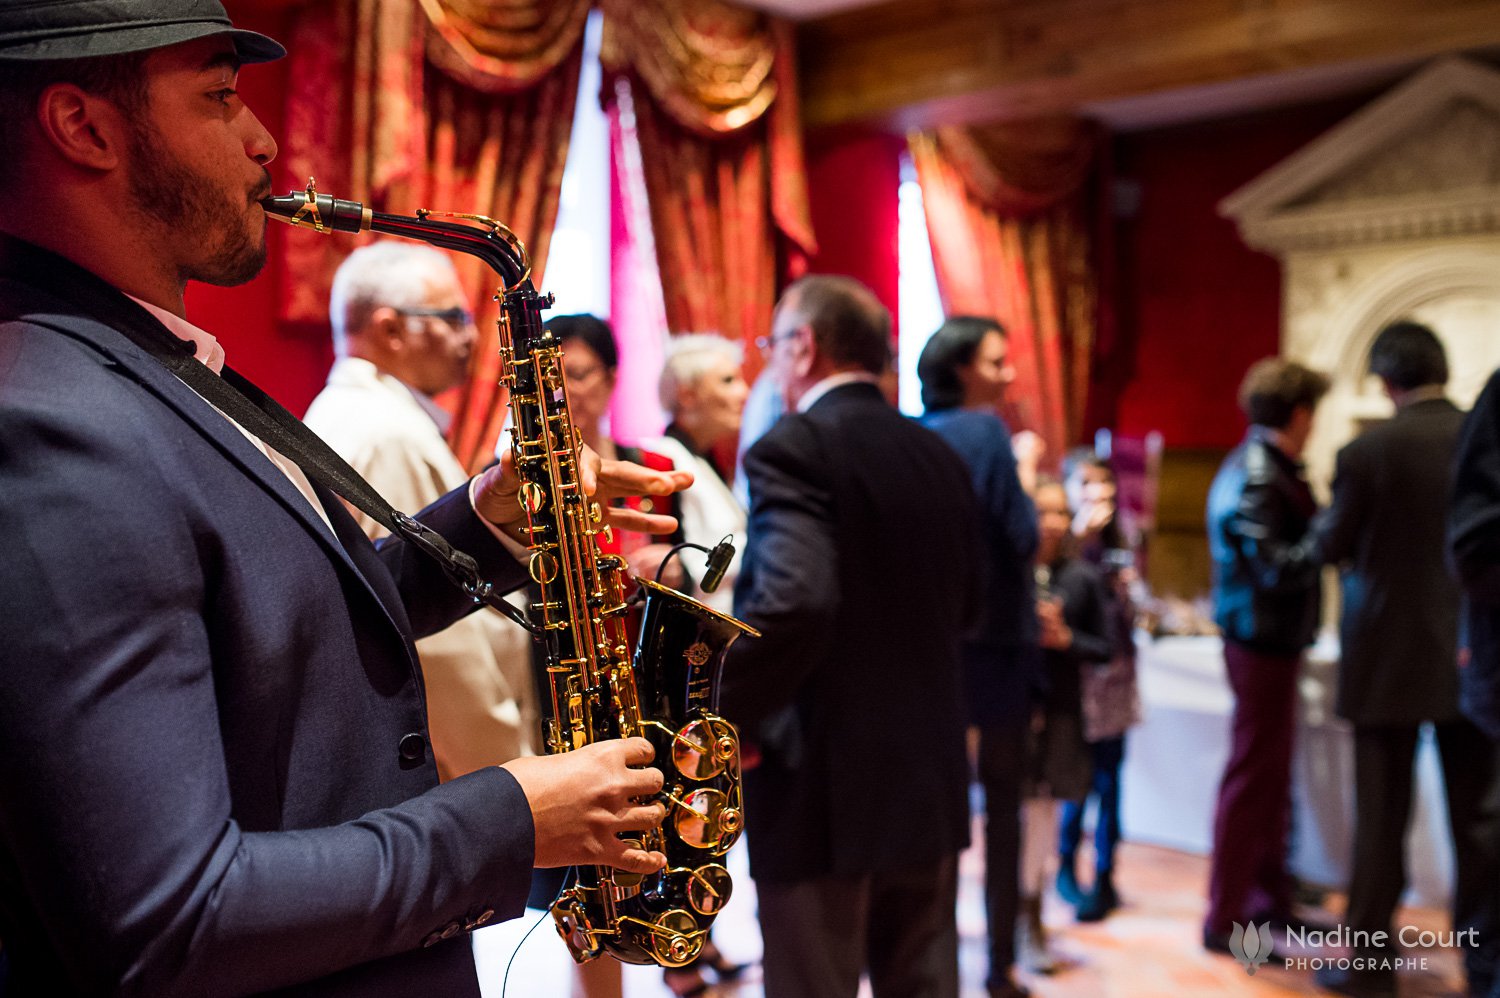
[1411, 528]
[937, 611]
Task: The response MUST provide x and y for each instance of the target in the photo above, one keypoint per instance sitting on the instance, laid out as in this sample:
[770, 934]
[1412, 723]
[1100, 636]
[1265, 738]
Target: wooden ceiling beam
[917, 63]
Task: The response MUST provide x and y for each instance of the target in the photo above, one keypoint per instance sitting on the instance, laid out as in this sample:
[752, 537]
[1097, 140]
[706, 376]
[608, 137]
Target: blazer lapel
[97, 308]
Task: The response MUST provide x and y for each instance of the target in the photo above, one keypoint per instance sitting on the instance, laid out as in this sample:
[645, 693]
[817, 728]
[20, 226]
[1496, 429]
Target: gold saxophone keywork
[594, 689]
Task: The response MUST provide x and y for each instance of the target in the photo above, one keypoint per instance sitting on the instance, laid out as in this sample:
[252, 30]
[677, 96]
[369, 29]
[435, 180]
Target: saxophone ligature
[596, 690]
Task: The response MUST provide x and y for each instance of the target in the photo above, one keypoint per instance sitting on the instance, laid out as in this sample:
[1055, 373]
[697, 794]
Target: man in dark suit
[1474, 548]
[215, 775]
[1398, 667]
[1266, 604]
[861, 571]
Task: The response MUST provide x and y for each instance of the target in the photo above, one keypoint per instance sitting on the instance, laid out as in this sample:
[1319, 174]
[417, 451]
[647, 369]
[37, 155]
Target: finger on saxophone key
[634, 859]
[642, 818]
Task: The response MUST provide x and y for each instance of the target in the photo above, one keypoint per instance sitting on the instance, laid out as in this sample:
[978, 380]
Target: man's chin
[231, 271]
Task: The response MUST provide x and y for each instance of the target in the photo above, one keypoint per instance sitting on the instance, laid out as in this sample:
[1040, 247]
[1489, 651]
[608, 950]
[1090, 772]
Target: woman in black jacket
[1075, 634]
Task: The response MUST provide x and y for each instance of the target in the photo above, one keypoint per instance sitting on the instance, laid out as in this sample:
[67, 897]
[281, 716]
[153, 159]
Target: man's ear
[804, 351]
[387, 329]
[86, 130]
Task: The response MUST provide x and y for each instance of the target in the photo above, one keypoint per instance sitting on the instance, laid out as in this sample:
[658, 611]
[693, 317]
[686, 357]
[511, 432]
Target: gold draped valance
[502, 46]
[1021, 168]
[710, 66]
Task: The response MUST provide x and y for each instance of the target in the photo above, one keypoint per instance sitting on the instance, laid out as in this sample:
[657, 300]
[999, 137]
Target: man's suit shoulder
[790, 439]
[1438, 421]
[51, 378]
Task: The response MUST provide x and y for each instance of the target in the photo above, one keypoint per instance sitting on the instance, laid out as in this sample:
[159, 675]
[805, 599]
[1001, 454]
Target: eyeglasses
[765, 344]
[455, 316]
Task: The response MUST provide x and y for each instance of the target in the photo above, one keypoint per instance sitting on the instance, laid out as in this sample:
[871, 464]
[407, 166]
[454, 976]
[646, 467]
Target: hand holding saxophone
[582, 800]
[497, 495]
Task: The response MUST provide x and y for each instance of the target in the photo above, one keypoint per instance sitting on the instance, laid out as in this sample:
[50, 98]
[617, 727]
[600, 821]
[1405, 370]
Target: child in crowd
[1075, 635]
[1109, 699]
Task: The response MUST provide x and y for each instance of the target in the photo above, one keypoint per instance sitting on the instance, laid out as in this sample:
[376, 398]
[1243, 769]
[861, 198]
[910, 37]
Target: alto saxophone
[666, 692]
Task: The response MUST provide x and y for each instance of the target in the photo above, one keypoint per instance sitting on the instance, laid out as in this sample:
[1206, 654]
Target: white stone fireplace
[1395, 213]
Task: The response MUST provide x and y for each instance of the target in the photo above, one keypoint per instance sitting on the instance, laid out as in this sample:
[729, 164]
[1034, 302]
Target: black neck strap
[239, 399]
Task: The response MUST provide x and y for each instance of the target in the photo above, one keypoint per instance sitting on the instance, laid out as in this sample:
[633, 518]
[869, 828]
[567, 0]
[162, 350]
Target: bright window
[921, 309]
[578, 262]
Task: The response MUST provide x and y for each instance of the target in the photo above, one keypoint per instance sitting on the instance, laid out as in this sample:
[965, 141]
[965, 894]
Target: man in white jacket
[402, 333]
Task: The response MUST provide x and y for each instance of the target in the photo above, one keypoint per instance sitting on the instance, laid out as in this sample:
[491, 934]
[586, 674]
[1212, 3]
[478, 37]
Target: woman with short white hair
[703, 394]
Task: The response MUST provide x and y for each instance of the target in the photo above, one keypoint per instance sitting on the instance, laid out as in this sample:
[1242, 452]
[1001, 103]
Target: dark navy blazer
[1474, 550]
[861, 572]
[213, 769]
[1003, 669]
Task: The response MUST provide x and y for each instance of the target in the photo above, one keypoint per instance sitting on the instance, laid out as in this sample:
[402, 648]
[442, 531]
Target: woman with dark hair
[591, 363]
[1110, 703]
[965, 371]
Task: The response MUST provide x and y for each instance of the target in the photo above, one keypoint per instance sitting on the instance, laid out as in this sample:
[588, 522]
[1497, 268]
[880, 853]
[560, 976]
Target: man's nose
[259, 144]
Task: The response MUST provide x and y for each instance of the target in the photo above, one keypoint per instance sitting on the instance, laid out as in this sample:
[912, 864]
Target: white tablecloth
[1174, 758]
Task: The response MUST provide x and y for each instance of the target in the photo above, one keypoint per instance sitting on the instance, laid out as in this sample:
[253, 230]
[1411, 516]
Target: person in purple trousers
[1266, 603]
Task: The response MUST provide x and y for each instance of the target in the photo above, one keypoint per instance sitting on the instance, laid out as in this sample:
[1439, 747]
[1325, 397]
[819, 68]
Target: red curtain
[715, 99]
[461, 105]
[1007, 217]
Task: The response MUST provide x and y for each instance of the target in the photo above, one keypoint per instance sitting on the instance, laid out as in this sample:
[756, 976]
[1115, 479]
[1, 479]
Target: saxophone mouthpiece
[319, 212]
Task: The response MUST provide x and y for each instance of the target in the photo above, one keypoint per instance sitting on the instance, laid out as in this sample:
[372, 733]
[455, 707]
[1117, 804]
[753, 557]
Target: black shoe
[1359, 983]
[1285, 922]
[1101, 901]
[1008, 988]
[1067, 881]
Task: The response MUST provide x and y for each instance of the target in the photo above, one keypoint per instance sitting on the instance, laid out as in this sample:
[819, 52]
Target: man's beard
[195, 207]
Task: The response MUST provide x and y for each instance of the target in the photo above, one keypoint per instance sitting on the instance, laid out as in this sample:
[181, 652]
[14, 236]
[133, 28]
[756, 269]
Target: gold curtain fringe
[502, 46]
[709, 65]
[1021, 168]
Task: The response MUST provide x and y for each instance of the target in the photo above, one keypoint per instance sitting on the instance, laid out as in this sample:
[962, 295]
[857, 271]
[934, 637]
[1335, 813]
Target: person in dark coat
[1110, 701]
[861, 573]
[217, 776]
[965, 371]
[1398, 665]
[1266, 603]
[1474, 551]
[1077, 635]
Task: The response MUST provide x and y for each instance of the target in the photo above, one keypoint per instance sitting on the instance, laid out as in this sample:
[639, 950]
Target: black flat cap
[33, 30]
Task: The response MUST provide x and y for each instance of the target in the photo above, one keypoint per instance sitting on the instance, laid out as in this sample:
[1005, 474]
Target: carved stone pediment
[1422, 161]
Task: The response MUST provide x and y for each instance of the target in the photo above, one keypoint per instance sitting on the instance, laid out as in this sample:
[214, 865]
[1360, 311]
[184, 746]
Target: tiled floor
[1148, 949]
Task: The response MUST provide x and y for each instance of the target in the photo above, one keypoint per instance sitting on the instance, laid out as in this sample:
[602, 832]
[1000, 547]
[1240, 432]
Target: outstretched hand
[581, 800]
[496, 495]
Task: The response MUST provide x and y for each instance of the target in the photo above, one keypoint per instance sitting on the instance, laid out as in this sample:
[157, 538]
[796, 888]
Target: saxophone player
[218, 775]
